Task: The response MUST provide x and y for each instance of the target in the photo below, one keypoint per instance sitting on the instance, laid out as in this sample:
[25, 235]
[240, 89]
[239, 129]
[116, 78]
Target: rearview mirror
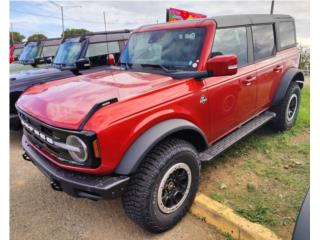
[83, 63]
[222, 65]
[110, 59]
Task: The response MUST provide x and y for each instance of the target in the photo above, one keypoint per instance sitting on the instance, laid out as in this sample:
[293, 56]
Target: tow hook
[26, 157]
[56, 186]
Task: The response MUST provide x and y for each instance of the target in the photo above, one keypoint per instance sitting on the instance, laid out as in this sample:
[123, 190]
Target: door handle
[248, 81]
[278, 68]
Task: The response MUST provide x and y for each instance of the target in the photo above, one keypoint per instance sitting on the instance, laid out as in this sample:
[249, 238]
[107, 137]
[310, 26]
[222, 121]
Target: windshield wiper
[157, 66]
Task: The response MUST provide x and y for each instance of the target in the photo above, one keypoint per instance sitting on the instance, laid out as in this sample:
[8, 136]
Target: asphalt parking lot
[38, 212]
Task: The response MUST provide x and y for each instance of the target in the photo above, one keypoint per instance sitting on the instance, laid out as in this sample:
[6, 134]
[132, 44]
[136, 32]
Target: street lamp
[61, 9]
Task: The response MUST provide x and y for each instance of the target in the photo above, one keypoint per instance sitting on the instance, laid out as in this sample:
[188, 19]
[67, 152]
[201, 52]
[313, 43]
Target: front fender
[141, 146]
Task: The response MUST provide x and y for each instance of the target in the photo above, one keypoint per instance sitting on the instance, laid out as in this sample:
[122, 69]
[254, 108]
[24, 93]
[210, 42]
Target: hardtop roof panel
[51, 42]
[103, 37]
[248, 19]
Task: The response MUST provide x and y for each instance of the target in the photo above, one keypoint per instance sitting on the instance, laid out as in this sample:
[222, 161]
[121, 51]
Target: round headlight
[82, 153]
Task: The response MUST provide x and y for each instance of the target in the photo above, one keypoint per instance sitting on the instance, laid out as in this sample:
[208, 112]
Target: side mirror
[223, 65]
[110, 59]
[83, 63]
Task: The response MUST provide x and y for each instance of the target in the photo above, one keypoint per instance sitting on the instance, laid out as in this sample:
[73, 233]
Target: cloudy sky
[41, 16]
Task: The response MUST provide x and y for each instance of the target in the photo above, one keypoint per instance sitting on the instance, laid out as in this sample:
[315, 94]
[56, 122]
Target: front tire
[162, 190]
[287, 111]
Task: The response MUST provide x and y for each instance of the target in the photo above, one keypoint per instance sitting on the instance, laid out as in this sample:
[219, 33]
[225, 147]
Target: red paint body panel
[65, 103]
[146, 99]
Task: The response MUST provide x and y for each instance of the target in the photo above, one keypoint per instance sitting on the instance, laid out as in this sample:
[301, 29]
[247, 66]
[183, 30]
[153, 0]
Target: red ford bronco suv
[185, 92]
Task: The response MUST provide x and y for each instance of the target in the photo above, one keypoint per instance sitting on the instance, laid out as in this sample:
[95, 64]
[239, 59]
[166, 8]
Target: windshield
[30, 52]
[177, 49]
[68, 53]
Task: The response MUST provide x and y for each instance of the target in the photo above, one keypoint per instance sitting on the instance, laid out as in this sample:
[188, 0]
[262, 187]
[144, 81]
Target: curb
[227, 221]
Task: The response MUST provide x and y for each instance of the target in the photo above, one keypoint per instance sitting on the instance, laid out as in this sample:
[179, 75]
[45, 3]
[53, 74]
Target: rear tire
[288, 109]
[163, 188]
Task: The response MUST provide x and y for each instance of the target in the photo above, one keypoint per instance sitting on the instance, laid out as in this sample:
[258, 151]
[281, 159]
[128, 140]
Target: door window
[231, 41]
[263, 41]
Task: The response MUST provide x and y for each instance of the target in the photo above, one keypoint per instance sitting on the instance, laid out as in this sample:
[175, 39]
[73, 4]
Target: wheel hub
[174, 188]
[292, 107]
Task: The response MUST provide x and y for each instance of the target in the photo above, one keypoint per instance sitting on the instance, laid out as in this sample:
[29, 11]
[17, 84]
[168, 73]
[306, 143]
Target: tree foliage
[305, 59]
[16, 37]
[37, 37]
[74, 32]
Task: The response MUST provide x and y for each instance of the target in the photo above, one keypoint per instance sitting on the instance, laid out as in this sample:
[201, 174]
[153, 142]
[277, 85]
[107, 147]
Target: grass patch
[228, 236]
[266, 174]
[217, 197]
[260, 214]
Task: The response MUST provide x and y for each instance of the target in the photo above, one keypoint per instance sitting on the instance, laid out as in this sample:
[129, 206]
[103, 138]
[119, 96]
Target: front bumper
[76, 184]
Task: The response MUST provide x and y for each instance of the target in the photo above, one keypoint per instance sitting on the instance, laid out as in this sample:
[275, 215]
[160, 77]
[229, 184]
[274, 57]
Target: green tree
[16, 37]
[305, 59]
[74, 32]
[37, 37]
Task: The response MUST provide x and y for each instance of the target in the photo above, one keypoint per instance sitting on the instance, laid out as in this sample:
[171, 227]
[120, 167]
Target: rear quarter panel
[290, 59]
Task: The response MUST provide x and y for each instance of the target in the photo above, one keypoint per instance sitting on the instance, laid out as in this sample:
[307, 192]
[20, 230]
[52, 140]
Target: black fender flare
[290, 75]
[145, 142]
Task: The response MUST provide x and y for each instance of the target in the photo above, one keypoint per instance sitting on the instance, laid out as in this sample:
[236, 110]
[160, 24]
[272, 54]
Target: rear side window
[17, 52]
[263, 41]
[49, 51]
[103, 48]
[231, 41]
[287, 34]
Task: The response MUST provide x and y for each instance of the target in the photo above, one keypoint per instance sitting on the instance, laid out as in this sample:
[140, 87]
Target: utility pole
[272, 6]
[11, 26]
[62, 15]
[62, 20]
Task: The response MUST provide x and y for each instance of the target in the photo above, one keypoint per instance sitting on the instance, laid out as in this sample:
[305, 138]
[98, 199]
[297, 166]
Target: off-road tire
[140, 198]
[282, 122]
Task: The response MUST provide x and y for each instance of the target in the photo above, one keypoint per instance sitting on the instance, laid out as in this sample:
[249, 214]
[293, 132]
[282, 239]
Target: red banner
[174, 14]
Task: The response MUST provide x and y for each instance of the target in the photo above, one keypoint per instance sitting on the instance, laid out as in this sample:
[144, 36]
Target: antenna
[272, 7]
[105, 29]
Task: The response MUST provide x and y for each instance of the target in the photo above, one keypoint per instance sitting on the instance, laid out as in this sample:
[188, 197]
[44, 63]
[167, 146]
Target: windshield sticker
[190, 36]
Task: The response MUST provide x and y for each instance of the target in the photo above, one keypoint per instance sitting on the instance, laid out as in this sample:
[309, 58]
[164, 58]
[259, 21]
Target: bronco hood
[65, 103]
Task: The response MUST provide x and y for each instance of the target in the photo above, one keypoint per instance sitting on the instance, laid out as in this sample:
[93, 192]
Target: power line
[35, 14]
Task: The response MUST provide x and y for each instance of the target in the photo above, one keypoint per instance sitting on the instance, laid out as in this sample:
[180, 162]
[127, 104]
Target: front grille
[47, 134]
[56, 152]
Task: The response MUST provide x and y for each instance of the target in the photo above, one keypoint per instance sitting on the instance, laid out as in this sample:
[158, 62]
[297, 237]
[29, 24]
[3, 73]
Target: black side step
[236, 135]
